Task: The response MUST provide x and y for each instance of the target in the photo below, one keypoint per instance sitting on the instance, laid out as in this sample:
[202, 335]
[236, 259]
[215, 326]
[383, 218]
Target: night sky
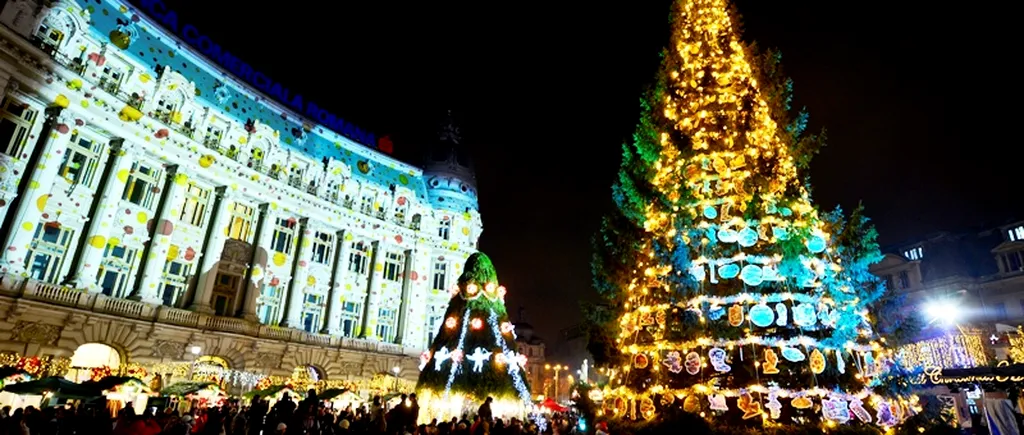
[916, 100]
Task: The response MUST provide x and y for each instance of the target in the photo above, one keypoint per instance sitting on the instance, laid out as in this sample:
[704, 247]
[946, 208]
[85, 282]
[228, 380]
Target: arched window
[92, 355]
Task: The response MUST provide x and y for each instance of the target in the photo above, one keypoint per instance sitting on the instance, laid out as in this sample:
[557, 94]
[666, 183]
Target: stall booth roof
[186, 388]
[57, 386]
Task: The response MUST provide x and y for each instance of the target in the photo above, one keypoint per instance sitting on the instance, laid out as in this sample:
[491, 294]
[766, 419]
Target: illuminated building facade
[153, 202]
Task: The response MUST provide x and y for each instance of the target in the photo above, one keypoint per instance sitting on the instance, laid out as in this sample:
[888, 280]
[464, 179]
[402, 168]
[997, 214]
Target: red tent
[549, 403]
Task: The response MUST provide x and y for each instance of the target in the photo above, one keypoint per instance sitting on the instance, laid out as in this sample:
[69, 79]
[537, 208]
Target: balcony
[31, 290]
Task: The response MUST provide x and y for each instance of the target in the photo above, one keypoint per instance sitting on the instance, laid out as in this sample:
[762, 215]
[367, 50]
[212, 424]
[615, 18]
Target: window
[1016, 234]
[225, 289]
[366, 203]
[904, 280]
[440, 276]
[174, 282]
[323, 244]
[46, 255]
[16, 120]
[444, 229]
[213, 136]
[241, 221]
[194, 209]
[916, 253]
[141, 188]
[358, 258]
[110, 78]
[351, 312]
[393, 264]
[401, 209]
[116, 269]
[386, 324]
[80, 160]
[999, 310]
[434, 322]
[1013, 262]
[284, 235]
[49, 37]
[269, 303]
[312, 312]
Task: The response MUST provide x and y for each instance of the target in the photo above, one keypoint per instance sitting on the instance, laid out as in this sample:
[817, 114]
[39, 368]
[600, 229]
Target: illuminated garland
[949, 351]
[37, 366]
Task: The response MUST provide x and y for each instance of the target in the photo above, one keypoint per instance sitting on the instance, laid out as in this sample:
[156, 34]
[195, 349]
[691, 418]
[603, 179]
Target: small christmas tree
[474, 354]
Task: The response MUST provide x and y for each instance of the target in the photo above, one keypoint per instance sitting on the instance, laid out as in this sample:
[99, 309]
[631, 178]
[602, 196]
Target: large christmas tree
[735, 298]
[474, 353]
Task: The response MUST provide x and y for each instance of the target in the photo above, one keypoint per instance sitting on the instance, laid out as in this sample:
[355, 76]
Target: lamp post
[195, 351]
[558, 369]
[396, 370]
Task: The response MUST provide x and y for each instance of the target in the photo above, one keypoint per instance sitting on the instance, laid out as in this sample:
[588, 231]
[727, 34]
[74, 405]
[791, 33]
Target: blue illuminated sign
[191, 35]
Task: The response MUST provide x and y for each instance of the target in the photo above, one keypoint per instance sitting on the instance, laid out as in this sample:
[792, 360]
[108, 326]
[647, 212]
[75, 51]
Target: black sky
[919, 103]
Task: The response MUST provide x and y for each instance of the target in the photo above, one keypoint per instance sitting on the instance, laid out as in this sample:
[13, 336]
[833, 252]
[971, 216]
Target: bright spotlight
[942, 312]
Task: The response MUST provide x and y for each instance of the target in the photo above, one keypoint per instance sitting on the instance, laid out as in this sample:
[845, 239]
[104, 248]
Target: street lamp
[558, 369]
[195, 351]
[396, 370]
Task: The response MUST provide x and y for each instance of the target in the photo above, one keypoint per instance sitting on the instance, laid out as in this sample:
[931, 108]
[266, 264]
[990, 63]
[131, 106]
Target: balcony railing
[32, 290]
[78, 66]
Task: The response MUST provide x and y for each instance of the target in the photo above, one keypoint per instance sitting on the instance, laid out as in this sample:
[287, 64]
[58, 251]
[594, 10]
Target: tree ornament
[641, 361]
[835, 408]
[803, 315]
[451, 322]
[781, 314]
[857, 406]
[801, 402]
[440, 356]
[456, 356]
[840, 364]
[717, 357]
[761, 315]
[424, 359]
[817, 362]
[476, 324]
[774, 406]
[736, 315]
[646, 408]
[718, 402]
[771, 362]
[479, 357]
[673, 361]
[507, 328]
[691, 404]
[750, 407]
[692, 363]
[792, 354]
[885, 415]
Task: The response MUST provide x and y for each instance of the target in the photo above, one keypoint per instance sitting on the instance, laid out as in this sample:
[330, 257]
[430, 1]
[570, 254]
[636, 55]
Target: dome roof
[451, 182]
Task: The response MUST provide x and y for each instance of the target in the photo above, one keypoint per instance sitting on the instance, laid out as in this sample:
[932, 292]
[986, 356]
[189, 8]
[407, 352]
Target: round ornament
[641, 361]
[762, 315]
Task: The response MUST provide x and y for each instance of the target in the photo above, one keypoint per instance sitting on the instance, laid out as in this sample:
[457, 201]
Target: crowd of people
[286, 417]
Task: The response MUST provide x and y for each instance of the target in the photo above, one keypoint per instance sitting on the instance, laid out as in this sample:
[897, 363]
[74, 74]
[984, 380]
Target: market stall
[121, 392]
[186, 395]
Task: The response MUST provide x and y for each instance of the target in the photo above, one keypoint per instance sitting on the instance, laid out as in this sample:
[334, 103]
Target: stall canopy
[112, 382]
[185, 388]
[57, 386]
[549, 403]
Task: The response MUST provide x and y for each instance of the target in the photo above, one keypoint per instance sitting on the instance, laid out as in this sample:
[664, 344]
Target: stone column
[404, 307]
[371, 308]
[105, 203]
[40, 172]
[333, 315]
[216, 235]
[297, 284]
[154, 255]
[253, 284]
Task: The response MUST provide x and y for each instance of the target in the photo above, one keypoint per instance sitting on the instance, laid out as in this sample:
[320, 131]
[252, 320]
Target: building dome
[451, 182]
